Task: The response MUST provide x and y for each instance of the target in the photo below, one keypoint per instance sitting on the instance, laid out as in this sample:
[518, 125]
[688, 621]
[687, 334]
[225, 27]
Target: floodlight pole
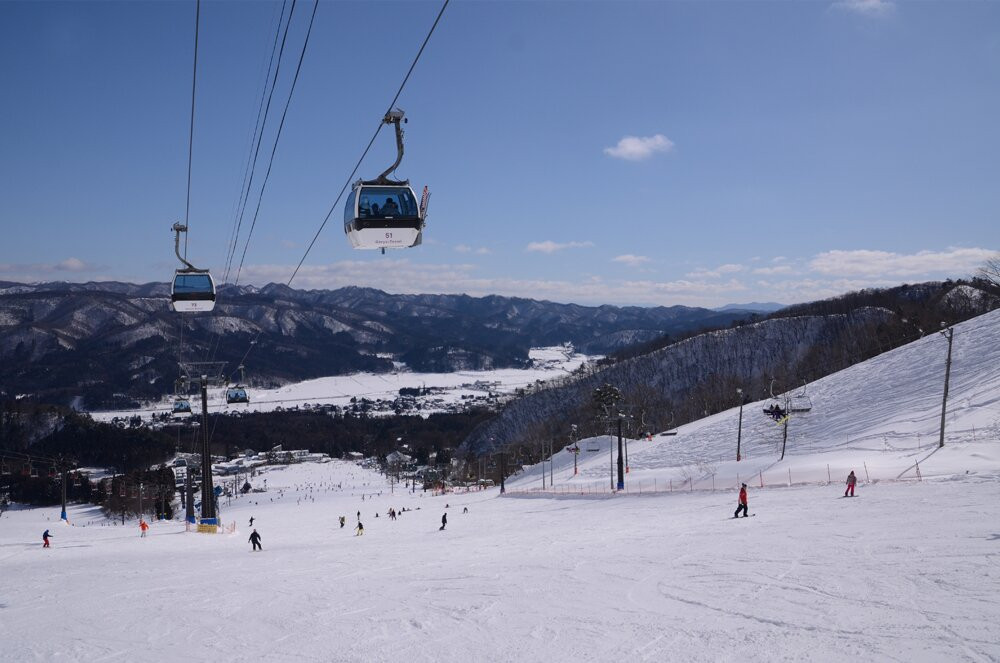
[739, 428]
[65, 476]
[948, 334]
[621, 458]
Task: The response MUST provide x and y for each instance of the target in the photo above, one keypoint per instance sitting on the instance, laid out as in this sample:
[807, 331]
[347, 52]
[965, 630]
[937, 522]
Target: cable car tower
[383, 213]
[193, 289]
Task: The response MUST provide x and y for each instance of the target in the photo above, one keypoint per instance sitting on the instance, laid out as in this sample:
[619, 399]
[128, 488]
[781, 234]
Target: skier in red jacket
[743, 503]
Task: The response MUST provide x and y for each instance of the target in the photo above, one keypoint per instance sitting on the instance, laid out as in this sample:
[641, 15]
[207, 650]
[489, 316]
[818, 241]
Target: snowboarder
[251, 521]
[851, 480]
[360, 529]
[343, 520]
[143, 526]
[742, 506]
[255, 540]
[45, 538]
[444, 520]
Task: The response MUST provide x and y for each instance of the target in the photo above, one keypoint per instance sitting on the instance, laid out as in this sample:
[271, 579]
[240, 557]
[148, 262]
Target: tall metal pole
[189, 496]
[65, 476]
[621, 458]
[739, 429]
[503, 471]
[207, 491]
[552, 455]
[949, 334]
[784, 438]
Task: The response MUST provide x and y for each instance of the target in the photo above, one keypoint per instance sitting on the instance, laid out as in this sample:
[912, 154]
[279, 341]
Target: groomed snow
[903, 572]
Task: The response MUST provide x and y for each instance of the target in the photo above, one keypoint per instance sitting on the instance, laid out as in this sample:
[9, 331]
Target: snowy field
[548, 364]
[903, 572]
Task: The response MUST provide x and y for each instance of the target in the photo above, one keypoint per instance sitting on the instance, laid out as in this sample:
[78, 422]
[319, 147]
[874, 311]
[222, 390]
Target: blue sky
[594, 152]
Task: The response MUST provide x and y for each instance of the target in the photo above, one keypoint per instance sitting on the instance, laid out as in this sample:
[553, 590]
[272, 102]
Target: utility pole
[65, 477]
[140, 500]
[207, 492]
[739, 429]
[784, 438]
[552, 455]
[503, 471]
[948, 334]
[621, 458]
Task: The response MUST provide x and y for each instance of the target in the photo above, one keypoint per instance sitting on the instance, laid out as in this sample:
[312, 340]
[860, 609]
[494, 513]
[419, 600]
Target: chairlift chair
[800, 402]
[383, 213]
[34, 472]
[193, 289]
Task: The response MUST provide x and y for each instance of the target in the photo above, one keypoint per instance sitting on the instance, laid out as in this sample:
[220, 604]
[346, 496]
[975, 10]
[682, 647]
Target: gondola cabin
[382, 216]
[237, 394]
[193, 291]
[181, 408]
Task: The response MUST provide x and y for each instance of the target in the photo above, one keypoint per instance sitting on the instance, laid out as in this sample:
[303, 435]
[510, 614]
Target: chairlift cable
[259, 126]
[277, 137]
[194, 83]
[350, 178]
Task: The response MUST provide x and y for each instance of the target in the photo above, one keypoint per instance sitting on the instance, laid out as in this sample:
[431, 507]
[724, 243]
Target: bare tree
[990, 271]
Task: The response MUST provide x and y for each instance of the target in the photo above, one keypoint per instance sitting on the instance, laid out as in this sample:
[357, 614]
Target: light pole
[739, 429]
[621, 458]
[948, 334]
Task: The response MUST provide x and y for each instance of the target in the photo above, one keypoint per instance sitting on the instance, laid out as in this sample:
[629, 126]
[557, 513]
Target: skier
[465, 510]
[743, 503]
[851, 480]
[45, 538]
[359, 515]
[342, 521]
[255, 540]
[360, 529]
[251, 521]
[444, 520]
[143, 526]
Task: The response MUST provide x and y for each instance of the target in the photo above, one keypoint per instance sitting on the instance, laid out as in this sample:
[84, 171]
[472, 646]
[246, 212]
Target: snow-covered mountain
[57, 340]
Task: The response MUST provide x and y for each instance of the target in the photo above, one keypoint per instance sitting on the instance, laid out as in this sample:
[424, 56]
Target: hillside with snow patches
[909, 570]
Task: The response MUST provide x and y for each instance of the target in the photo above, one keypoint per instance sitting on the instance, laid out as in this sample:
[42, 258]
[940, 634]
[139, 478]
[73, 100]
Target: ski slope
[881, 416]
[909, 570]
[904, 572]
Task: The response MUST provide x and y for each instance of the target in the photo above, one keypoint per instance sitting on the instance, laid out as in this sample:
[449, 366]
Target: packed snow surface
[906, 571]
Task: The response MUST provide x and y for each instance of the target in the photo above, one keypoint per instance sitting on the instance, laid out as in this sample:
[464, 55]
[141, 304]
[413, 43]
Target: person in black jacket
[255, 540]
[444, 520]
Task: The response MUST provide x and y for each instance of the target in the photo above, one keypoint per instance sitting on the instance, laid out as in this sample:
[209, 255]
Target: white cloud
[465, 248]
[42, 271]
[779, 269]
[873, 8]
[923, 264]
[636, 148]
[718, 272]
[549, 246]
[631, 260]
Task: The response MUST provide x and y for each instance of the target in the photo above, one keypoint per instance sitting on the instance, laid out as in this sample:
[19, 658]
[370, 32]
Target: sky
[625, 153]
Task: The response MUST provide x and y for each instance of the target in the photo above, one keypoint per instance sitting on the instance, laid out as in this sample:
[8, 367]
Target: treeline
[686, 379]
[336, 435]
